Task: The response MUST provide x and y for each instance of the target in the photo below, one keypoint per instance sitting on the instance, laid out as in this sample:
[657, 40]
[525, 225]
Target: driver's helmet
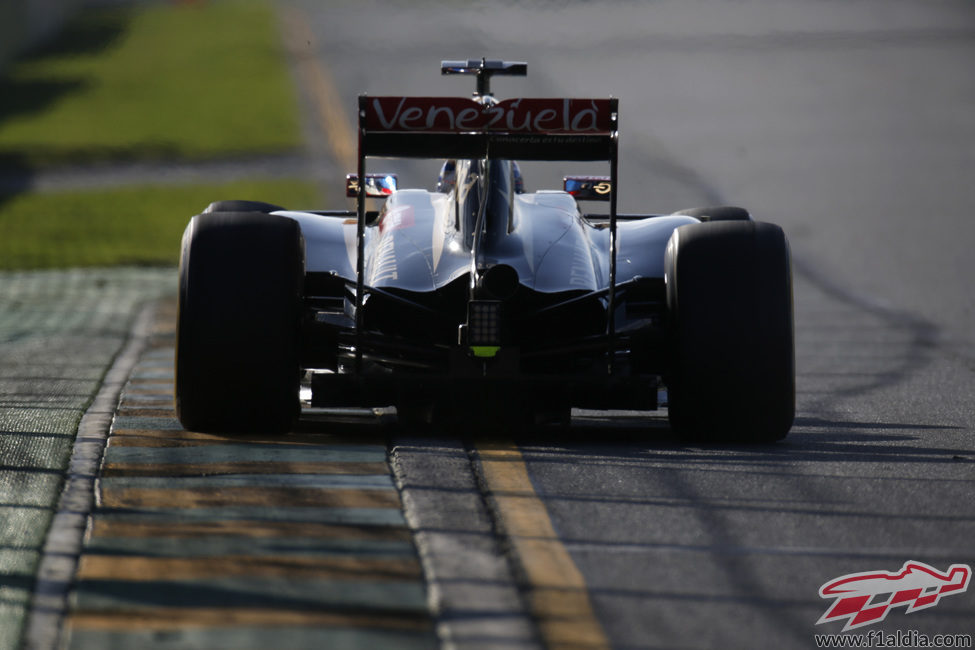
[447, 178]
[519, 180]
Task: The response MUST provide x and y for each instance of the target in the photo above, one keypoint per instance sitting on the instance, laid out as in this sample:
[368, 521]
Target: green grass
[129, 226]
[152, 81]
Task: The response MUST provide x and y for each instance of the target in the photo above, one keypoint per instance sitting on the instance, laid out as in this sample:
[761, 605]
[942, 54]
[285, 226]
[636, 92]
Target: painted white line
[471, 588]
[557, 592]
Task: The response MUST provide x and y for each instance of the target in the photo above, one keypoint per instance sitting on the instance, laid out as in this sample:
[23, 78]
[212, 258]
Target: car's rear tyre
[237, 341]
[718, 213]
[729, 299]
[242, 206]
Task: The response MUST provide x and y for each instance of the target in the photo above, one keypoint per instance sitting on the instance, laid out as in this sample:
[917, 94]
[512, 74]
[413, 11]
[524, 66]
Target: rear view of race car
[479, 301]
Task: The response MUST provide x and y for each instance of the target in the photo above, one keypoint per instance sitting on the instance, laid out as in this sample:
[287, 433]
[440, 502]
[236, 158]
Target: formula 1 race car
[481, 302]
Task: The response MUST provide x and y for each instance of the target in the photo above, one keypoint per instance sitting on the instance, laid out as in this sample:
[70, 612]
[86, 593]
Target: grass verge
[152, 81]
[127, 226]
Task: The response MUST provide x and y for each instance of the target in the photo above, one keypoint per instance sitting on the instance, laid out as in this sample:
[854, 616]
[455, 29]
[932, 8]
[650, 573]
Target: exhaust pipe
[499, 282]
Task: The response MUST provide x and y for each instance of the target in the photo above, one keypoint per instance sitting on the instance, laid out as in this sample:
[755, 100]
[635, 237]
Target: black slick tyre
[732, 362]
[237, 344]
[236, 205]
[718, 213]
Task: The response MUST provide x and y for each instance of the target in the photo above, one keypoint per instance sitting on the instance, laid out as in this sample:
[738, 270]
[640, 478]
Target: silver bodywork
[416, 246]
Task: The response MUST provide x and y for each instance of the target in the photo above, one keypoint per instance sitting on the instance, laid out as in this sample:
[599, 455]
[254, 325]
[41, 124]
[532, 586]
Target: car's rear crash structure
[480, 302]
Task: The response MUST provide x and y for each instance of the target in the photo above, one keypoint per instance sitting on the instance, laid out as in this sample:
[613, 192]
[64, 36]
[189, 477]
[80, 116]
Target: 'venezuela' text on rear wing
[515, 129]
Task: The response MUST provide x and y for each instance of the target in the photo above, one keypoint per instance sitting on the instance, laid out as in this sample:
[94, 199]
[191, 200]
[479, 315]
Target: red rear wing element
[517, 129]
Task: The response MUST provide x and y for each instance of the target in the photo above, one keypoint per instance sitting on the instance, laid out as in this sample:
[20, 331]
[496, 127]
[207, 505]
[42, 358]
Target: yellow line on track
[241, 467]
[318, 80]
[180, 619]
[268, 497]
[557, 592]
[249, 529]
[148, 568]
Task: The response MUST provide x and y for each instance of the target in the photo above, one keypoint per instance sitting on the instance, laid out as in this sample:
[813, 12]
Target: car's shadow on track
[813, 439]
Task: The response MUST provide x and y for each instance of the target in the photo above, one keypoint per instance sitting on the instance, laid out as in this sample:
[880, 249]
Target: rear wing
[513, 129]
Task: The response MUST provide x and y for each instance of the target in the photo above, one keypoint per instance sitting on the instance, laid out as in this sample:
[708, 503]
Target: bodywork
[574, 304]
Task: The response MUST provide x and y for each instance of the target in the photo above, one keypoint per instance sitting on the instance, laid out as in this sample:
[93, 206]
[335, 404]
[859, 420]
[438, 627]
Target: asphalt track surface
[849, 124]
[59, 330]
